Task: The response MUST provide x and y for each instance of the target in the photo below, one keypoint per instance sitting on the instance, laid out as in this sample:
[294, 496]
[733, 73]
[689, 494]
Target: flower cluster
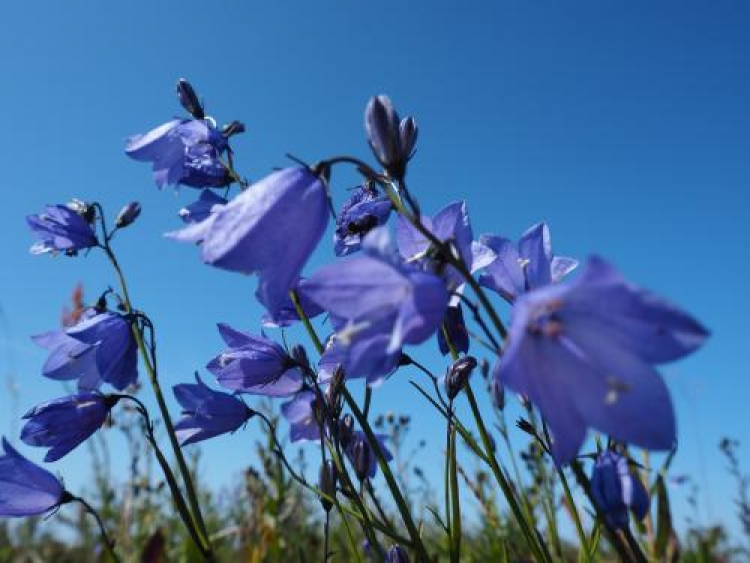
[582, 352]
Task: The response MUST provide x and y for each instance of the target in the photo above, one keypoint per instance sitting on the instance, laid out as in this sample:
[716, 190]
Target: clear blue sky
[625, 125]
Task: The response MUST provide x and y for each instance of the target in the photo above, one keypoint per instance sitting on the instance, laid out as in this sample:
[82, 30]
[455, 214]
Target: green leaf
[664, 518]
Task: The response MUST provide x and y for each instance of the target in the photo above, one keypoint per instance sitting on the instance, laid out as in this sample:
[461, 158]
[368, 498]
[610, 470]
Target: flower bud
[299, 355]
[408, 132]
[327, 483]
[397, 554]
[233, 128]
[497, 392]
[189, 99]
[346, 429]
[128, 214]
[458, 375]
[362, 457]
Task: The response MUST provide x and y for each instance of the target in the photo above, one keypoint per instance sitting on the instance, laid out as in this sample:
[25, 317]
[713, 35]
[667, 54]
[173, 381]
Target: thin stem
[529, 532]
[455, 500]
[390, 480]
[614, 538]
[108, 542]
[326, 530]
[174, 488]
[195, 512]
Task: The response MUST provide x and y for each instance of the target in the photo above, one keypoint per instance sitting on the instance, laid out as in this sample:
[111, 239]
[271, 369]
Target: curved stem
[174, 488]
[195, 512]
[108, 542]
[527, 528]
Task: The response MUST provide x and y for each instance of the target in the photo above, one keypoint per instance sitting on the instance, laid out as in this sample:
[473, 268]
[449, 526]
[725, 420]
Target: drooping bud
[454, 325]
[233, 128]
[497, 392]
[397, 554]
[299, 355]
[333, 393]
[128, 215]
[346, 429]
[189, 99]
[362, 456]
[616, 490]
[408, 132]
[327, 483]
[458, 375]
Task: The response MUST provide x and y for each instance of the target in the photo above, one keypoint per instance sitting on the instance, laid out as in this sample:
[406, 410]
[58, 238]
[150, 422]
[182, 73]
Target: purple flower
[25, 488]
[207, 413]
[287, 313]
[271, 229]
[378, 304]
[392, 140]
[255, 364]
[450, 224]
[183, 151]
[584, 352]
[361, 213]
[361, 456]
[99, 348]
[616, 490]
[300, 413]
[200, 210]
[64, 423]
[524, 266]
[454, 325]
[111, 337]
[397, 554]
[60, 229]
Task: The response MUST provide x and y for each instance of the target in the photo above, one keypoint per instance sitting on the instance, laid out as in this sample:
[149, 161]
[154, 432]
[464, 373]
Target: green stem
[390, 480]
[196, 515]
[102, 529]
[528, 530]
[455, 500]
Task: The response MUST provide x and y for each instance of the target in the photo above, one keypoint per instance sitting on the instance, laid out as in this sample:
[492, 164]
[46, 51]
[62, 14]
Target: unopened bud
[299, 355]
[346, 429]
[497, 392]
[189, 99]
[233, 128]
[362, 457]
[458, 375]
[128, 214]
[327, 483]
[408, 132]
[397, 554]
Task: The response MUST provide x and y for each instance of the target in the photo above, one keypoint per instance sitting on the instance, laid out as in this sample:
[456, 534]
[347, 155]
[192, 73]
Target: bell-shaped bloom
[61, 229]
[454, 325]
[69, 359]
[25, 488]
[527, 265]
[300, 412]
[363, 211]
[378, 299]
[183, 151]
[61, 425]
[207, 413]
[450, 224]
[584, 352]
[391, 139]
[360, 454]
[200, 210]
[115, 351]
[616, 490]
[255, 365]
[270, 229]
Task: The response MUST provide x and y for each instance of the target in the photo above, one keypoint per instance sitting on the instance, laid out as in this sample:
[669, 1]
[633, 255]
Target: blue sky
[624, 125]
